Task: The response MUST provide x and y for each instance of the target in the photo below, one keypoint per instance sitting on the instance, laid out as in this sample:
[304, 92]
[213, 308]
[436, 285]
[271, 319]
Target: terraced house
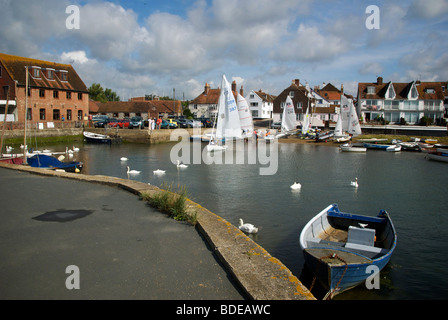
[56, 93]
[402, 102]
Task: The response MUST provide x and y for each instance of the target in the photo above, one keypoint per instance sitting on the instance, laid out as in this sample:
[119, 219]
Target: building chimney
[296, 82]
[342, 88]
[206, 88]
[234, 86]
[241, 91]
[379, 81]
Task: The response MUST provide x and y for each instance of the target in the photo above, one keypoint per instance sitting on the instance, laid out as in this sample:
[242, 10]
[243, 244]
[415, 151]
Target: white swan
[132, 171]
[181, 165]
[247, 227]
[67, 150]
[296, 186]
[9, 149]
[75, 149]
[158, 171]
[124, 159]
[354, 183]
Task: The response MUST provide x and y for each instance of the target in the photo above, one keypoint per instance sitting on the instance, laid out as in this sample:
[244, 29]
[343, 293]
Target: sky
[174, 47]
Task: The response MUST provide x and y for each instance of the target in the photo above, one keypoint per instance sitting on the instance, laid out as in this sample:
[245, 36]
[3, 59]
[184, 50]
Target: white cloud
[428, 9]
[371, 68]
[74, 57]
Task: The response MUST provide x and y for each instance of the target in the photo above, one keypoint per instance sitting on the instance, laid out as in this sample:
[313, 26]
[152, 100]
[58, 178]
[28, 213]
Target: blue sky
[150, 47]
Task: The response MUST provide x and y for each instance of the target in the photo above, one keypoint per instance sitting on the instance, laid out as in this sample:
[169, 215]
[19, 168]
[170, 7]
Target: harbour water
[412, 189]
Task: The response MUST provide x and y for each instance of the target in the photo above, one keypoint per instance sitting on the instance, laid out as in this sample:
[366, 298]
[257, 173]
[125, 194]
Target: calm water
[412, 189]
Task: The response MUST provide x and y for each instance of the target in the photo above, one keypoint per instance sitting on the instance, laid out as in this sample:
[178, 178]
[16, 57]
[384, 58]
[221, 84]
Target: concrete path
[123, 248]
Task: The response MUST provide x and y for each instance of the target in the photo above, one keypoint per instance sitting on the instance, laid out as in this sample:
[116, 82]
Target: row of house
[54, 93]
[392, 102]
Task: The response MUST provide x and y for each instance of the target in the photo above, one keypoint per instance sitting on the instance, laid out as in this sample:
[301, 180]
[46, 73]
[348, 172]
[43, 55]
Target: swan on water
[247, 227]
[132, 171]
[75, 149]
[9, 149]
[354, 183]
[296, 186]
[67, 150]
[158, 171]
[181, 165]
[124, 159]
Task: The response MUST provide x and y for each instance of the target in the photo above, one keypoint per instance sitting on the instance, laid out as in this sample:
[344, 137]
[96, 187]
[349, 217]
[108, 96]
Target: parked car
[136, 122]
[123, 123]
[167, 125]
[276, 125]
[113, 123]
[207, 123]
[194, 123]
[182, 123]
[102, 123]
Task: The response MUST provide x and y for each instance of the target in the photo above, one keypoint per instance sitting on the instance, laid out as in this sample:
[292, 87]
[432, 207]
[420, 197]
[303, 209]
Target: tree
[97, 93]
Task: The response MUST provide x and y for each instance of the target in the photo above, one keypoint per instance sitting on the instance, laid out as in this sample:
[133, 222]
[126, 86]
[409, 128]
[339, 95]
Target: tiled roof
[265, 96]
[401, 90]
[211, 97]
[15, 66]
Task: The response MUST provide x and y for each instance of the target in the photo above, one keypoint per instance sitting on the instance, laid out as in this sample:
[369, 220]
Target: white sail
[246, 122]
[354, 127]
[306, 122]
[344, 115]
[228, 121]
[289, 116]
[338, 129]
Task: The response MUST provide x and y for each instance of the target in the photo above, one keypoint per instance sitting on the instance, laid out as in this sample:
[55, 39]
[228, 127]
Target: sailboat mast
[26, 109]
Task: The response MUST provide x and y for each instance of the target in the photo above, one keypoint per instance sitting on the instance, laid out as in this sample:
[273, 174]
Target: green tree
[97, 93]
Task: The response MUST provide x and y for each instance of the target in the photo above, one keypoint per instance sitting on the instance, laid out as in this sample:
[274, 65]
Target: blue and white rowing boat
[340, 248]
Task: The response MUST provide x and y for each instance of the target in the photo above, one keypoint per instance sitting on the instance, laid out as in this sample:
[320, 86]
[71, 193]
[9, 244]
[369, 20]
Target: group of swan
[158, 171]
[298, 186]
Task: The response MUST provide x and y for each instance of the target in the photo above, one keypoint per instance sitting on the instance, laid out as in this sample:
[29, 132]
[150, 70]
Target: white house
[261, 104]
[398, 102]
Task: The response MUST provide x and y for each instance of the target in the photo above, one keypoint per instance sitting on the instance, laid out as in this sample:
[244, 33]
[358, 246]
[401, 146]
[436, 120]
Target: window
[36, 72]
[42, 93]
[291, 94]
[414, 93]
[56, 114]
[56, 94]
[79, 114]
[299, 105]
[69, 115]
[430, 90]
[64, 75]
[370, 90]
[29, 114]
[69, 95]
[79, 96]
[50, 74]
[42, 114]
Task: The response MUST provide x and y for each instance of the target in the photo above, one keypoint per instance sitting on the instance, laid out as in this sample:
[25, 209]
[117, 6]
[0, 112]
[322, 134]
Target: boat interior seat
[362, 236]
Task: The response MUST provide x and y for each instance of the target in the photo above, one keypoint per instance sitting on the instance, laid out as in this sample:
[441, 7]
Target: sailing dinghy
[227, 121]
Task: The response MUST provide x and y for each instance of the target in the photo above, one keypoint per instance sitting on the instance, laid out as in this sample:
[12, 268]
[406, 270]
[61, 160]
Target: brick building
[56, 92]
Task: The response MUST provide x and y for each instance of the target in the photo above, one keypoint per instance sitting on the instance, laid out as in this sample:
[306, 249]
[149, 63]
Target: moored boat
[438, 155]
[347, 147]
[96, 138]
[49, 162]
[340, 248]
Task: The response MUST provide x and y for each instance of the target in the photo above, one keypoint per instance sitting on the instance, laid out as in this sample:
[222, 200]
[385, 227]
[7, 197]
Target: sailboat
[306, 122]
[348, 123]
[227, 121]
[246, 121]
[288, 121]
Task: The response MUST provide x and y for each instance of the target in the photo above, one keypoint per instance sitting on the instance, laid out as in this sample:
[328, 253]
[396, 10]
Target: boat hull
[339, 265]
[351, 148]
[97, 138]
[437, 156]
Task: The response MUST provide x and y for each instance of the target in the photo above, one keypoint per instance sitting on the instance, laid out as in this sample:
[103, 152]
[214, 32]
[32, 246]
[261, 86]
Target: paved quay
[123, 248]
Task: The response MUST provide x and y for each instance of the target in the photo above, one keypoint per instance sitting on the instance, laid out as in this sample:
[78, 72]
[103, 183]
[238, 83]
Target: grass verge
[172, 201]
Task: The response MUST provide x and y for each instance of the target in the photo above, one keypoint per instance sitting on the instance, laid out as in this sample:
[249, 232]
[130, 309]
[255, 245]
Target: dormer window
[36, 72]
[64, 75]
[429, 90]
[370, 90]
[50, 74]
